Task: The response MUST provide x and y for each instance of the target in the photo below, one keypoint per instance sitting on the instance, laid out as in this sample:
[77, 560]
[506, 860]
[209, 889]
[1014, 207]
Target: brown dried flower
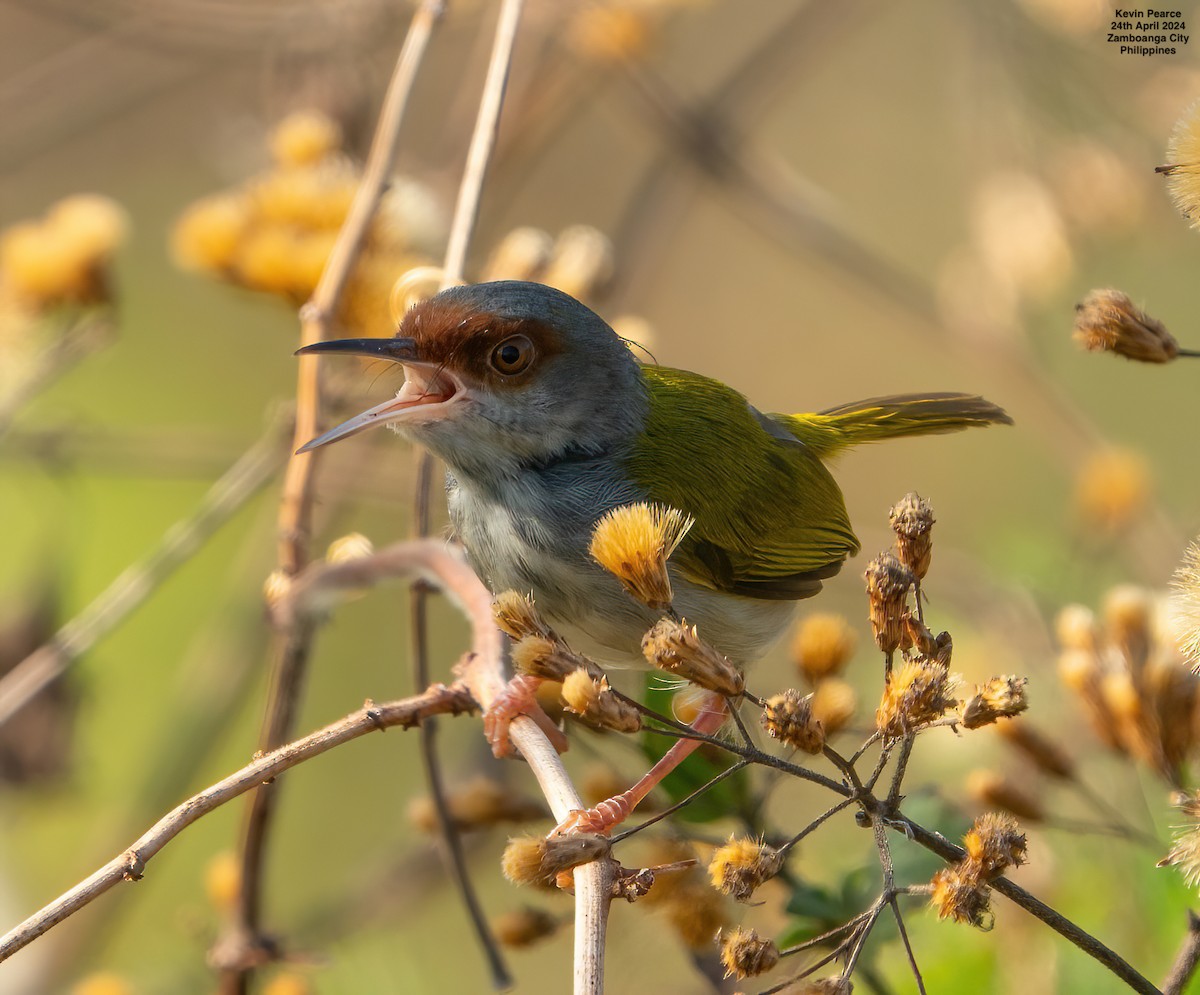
[1046, 755]
[888, 584]
[550, 659]
[958, 895]
[994, 843]
[912, 521]
[916, 693]
[1185, 605]
[517, 615]
[1001, 697]
[1108, 321]
[745, 954]
[788, 717]
[678, 649]
[738, 867]
[593, 701]
[833, 704]
[538, 860]
[993, 790]
[823, 645]
[525, 926]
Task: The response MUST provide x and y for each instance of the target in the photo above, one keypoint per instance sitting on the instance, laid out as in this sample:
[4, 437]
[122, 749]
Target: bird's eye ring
[512, 355]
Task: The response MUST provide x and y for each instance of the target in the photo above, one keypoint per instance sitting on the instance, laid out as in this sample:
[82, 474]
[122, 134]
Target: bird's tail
[892, 417]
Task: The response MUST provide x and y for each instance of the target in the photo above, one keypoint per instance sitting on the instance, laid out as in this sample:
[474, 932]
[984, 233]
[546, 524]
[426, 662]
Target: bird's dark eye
[512, 355]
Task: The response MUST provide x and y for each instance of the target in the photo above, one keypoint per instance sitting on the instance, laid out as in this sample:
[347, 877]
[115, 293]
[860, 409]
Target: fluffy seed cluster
[1185, 848]
[993, 790]
[1128, 672]
[1108, 321]
[912, 521]
[738, 867]
[517, 615]
[917, 692]
[274, 232]
[888, 583]
[745, 954]
[822, 646]
[1112, 489]
[833, 704]
[634, 542]
[961, 892]
[578, 262]
[1185, 605]
[677, 648]
[593, 701]
[525, 926]
[538, 860]
[999, 698]
[477, 804]
[789, 718]
[1046, 755]
[1183, 165]
[62, 258]
[354, 546]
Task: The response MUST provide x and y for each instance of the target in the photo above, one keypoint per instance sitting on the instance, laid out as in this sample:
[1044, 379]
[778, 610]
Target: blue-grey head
[500, 374]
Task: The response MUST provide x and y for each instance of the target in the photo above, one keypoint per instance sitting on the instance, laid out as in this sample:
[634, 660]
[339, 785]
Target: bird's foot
[519, 697]
[598, 821]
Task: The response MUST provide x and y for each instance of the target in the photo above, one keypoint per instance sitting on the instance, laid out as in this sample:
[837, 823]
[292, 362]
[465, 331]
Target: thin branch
[483, 141]
[817, 822]
[1015, 893]
[137, 582]
[682, 803]
[1186, 960]
[87, 336]
[293, 648]
[912, 957]
[130, 865]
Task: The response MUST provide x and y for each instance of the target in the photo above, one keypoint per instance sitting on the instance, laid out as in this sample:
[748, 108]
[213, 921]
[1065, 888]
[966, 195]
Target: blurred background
[814, 202]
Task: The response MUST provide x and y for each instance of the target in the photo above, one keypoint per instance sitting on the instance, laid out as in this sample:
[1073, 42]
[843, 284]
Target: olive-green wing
[770, 521]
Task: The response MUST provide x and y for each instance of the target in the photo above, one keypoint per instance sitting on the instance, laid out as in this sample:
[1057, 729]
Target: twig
[682, 803]
[912, 957]
[87, 336]
[137, 582]
[130, 865]
[1186, 960]
[293, 647]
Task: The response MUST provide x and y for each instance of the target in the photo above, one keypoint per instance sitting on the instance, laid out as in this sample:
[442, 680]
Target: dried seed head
[1076, 628]
[833, 704]
[888, 583]
[550, 659]
[695, 911]
[1128, 611]
[519, 255]
[1183, 168]
[634, 542]
[1112, 488]
[477, 804]
[745, 954]
[959, 896]
[517, 615]
[788, 717]
[525, 926]
[209, 233]
[1185, 606]
[1130, 721]
[677, 648]
[995, 843]
[993, 790]
[305, 137]
[916, 693]
[912, 521]
[593, 701]
[1046, 755]
[738, 867]
[223, 880]
[823, 645]
[354, 546]
[1080, 671]
[1108, 321]
[412, 287]
[1185, 854]
[582, 262]
[1001, 697]
[538, 860]
[276, 588]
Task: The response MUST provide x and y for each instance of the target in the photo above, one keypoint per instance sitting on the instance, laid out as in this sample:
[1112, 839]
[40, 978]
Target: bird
[545, 421]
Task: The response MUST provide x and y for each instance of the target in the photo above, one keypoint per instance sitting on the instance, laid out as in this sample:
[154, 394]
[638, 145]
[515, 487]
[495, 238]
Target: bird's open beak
[425, 386]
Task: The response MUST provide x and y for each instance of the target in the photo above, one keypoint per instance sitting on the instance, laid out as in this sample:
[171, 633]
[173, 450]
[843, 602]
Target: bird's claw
[519, 697]
[598, 821]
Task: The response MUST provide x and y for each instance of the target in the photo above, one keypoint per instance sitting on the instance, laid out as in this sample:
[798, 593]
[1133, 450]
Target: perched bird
[545, 421]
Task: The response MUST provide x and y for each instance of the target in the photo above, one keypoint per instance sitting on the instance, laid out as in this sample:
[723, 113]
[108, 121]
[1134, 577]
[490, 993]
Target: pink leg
[613, 811]
[519, 697]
